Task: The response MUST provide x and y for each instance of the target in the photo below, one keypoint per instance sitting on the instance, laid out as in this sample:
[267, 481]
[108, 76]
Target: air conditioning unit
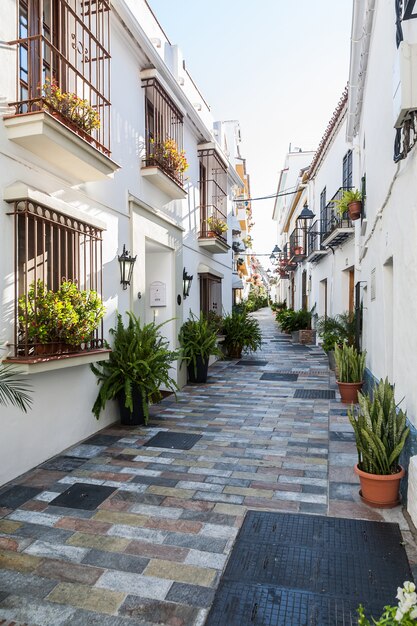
[405, 83]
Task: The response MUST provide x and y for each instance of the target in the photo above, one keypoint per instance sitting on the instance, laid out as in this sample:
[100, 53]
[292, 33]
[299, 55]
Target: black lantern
[186, 281]
[276, 250]
[306, 214]
[126, 267]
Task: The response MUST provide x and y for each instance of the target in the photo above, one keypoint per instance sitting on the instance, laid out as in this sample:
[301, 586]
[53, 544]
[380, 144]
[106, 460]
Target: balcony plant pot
[381, 491]
[234, 352]
[355, 210]
[298, 251]
[349, 392]
[199, 373]
[137, 416]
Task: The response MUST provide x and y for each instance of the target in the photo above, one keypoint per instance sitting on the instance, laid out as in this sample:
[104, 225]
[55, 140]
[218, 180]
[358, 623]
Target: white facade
[157, 221]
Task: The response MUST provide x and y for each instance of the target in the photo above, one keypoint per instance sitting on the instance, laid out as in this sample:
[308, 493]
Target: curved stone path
[153, 551]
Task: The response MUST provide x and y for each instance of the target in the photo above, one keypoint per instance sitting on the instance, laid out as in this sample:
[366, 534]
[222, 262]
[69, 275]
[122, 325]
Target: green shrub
[140, 358]
[339, 329]
[291, 321]
[241, 331]
[350, 363]
[198, 338]
[380, 430]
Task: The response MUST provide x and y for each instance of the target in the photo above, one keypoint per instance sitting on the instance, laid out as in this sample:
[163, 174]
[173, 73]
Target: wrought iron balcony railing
[297, 248]
[334, 227]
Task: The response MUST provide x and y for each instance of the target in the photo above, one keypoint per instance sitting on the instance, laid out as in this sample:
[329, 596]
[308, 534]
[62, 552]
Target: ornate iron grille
[50, 247]
[314, 238]
[164, 131]
[213, 195]
[65, 43]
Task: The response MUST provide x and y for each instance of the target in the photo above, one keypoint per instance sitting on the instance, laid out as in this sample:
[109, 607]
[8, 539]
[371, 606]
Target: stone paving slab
[153, 551]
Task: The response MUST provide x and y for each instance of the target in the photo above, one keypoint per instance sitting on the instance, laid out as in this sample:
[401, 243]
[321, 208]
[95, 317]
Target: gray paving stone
[34, 612]
[218, 497]
[133, 532]
[16, 583]
[56, 551]
[342, 491]
[208, 544]
[43, 533]
[88, 618]
[136, 584]
[193, 595]
[116, 561]
[156, 612]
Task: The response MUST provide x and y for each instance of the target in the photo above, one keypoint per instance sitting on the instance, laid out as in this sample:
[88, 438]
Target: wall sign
[157, 294]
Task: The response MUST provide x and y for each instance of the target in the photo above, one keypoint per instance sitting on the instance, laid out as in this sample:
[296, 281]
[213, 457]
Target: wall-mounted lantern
[126, 267]
[186, 282]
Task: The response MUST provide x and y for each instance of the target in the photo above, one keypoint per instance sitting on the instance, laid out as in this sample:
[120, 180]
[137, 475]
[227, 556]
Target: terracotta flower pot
[355, 210]
[234, 352]
[380, 491]
[349, 392]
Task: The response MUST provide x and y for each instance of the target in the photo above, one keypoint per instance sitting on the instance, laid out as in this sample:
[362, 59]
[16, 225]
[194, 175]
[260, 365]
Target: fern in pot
[198, 341]
[380, 433]
[139, 365]
[242, 332]
[350, 368]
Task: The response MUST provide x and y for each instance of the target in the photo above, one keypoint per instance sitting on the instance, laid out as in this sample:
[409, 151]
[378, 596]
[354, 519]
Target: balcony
[62, 108]
[285, 262]
[297, 247]
[335, 229]
[164, 162]
[213, 202]
[315, 250]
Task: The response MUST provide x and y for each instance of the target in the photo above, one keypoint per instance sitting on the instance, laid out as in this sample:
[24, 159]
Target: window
[164, 131]
[65, 42]
[347, 170]
[50, 247]
[210, 293]
[213, 195]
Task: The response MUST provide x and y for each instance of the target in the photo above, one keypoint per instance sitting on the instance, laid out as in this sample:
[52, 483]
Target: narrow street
[153, 551]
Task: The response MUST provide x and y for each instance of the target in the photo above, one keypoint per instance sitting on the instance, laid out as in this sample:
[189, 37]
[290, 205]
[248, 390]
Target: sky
[279, 67]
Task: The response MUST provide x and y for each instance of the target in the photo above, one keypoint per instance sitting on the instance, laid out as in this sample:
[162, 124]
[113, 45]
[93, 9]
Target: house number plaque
[157, 293]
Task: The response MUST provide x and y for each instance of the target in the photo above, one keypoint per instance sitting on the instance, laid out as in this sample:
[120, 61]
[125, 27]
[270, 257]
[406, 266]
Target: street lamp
[126, 267]
[187, 279]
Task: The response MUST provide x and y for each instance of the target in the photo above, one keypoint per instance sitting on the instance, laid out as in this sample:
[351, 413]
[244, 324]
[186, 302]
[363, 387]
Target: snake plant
[380, 430]
[350, 364]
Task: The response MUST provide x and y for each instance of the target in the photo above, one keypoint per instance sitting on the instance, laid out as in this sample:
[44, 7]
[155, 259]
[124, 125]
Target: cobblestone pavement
[154, 549]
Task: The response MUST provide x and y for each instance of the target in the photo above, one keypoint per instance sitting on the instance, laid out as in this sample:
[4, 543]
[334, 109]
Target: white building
[71, 201]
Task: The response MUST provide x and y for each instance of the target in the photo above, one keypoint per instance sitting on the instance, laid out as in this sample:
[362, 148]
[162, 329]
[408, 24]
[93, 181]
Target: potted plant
[70, 107]
[59, 321]
[139, 365]
[380, 434]
[217, 225]
[242, 332]
[338, 329]
[169, 157]
[198, 341]
[350, 202]
[350, 366]
[300, 327]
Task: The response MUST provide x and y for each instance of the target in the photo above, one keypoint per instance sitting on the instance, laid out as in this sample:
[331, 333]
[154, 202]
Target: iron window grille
[52, 247]
[298, 244]
[314, 238]
[330, 219]
[164, 123]
[213, 194]
[347, 170]
[66, 42]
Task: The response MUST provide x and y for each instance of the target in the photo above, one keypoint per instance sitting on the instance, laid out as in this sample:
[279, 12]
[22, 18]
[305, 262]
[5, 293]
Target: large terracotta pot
[355, 210]
[380, 491]
[234, 352]
[349, 392]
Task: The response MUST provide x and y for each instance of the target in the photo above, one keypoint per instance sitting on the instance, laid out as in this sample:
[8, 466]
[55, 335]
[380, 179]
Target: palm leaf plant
[13, 390]
[242, 332]
[198, 341]
[380, 430]
[140, 360]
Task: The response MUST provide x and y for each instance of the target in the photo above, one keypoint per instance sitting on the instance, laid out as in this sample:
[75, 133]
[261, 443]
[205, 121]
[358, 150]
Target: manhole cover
[308, 570]
[315, 394]
[177, 441]
[83, 496]
[252, 363]
[277, 376]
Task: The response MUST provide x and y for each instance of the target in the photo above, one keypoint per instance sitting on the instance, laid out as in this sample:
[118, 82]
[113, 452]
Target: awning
[237, 283]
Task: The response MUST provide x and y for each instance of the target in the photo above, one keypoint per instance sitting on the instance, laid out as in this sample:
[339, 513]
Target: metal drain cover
[252, 363]
[278, 376]
[315, 394]
[177, 441]
[308, 570]
[83, 496]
